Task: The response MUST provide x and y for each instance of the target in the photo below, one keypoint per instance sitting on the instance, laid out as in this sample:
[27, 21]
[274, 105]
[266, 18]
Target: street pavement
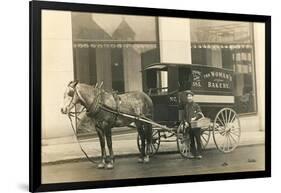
[244, 158]
[67, 149]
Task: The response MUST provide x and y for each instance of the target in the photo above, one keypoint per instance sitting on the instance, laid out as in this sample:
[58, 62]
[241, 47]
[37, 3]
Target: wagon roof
[164, 66]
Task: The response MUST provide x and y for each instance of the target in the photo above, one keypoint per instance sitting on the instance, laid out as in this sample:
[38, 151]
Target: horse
[94, 98]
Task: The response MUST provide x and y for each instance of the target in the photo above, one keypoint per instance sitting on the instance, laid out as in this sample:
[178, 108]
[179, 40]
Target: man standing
[193, 112]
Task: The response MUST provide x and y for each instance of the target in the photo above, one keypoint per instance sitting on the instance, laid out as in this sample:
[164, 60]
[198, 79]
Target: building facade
[116, 48]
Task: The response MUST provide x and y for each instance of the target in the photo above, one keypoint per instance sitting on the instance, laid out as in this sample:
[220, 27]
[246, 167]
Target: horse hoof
[146, 159]
[101, 165]
[109, 166]
[140, 160]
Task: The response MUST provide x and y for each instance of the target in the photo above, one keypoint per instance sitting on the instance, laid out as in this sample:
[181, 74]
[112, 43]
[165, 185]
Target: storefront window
[229, 45]
[114, 49]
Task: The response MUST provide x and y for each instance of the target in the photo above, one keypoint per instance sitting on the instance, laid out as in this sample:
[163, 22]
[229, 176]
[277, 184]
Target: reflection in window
[114, 49]
[103, 27]
[227, 44]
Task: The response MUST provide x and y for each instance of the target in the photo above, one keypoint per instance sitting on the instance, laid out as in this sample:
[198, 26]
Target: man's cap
[187, 92]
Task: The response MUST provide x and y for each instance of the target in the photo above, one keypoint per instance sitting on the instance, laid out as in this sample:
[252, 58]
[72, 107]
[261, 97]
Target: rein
[81, 148]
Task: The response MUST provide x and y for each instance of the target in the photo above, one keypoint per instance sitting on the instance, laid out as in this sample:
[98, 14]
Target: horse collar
[94, 107]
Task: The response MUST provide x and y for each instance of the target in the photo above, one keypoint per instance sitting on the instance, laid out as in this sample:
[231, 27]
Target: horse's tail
[148, 106]
[148, 114]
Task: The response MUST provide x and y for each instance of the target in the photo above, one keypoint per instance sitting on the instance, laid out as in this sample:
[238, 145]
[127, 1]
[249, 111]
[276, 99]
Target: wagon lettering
[173, 99]
[196, 84]
[218, 85]
[217, 74]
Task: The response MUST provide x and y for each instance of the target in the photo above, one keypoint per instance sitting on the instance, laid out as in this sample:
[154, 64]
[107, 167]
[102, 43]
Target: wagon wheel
[205, 137]
[183, 141]
[155, 143]
[226, 130]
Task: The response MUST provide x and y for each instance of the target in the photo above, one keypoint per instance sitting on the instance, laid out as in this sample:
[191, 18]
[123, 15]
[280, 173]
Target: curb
[83, 159]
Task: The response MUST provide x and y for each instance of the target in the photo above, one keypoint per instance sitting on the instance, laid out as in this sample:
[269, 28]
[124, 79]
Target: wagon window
[157, 82]
[185, 79]
[229, 45]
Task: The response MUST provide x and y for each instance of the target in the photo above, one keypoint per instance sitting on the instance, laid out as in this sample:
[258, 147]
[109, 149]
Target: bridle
[94, 106]
[74, 92]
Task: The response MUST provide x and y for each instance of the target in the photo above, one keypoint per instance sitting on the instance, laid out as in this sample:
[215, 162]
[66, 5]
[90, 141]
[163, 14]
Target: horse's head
[70, 97]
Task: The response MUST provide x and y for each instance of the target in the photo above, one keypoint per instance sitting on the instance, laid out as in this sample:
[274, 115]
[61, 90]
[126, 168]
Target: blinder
[71, 85]
[70, 92]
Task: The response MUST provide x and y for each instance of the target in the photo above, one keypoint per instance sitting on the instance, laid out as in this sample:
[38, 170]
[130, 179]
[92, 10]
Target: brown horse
[94, 98]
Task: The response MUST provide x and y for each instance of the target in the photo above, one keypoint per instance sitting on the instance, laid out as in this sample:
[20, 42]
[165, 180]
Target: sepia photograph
[127, 96]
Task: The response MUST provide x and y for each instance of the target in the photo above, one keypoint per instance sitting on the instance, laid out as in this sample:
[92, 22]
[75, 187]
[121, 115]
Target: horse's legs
[103, 151]
[141, 133]
[108, 135]
[148, 138]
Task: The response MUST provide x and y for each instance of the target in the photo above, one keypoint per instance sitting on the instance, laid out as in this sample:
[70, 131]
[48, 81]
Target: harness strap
[94, 109]
[117, 102]
[81, 98]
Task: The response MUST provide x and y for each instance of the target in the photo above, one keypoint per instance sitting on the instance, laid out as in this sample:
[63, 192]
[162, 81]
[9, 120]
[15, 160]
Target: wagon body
[213, 88]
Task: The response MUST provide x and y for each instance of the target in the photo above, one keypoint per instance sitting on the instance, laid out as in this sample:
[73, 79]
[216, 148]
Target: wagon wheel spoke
[222, 123]
[183, 141]
[227, 113]
[233, 118]
[235, 133]
[229, 116]
[154, 133]
[222, 116]
[153, 145]
[235, 141]
[205, 137]
[230, 140]
[220, 131]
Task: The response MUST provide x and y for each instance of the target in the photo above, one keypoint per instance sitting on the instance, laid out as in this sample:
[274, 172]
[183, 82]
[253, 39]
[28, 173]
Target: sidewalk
[67, 148]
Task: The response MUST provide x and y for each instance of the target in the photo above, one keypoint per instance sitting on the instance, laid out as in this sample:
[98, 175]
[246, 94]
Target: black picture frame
[35, 8]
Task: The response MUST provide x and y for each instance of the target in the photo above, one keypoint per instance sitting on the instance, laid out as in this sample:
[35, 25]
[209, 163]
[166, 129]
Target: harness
[117, 102]
[94, 107]
[97, 105]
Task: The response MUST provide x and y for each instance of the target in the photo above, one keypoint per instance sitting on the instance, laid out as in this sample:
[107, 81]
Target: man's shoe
[199, 157]
[190, 156]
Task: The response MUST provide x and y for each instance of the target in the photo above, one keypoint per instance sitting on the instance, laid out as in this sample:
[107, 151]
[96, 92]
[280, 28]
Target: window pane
[96, 26]
[219, 31]
[229, 45]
